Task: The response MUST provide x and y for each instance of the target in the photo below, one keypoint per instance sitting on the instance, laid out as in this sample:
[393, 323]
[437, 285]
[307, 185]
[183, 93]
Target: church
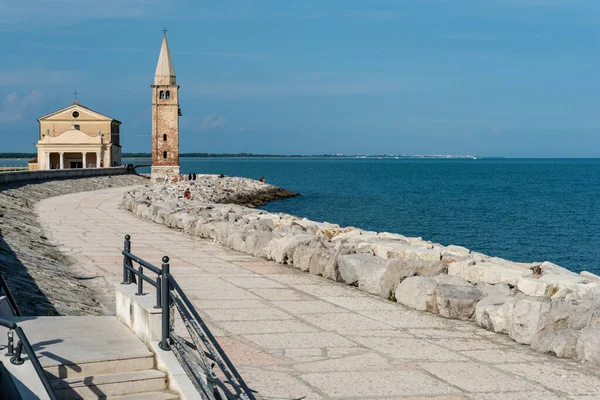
[78, 137]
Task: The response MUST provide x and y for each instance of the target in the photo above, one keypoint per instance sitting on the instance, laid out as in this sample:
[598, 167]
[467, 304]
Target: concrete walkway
[293, 335]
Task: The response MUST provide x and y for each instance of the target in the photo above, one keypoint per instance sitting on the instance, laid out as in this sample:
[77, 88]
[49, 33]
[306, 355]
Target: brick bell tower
[165, 117]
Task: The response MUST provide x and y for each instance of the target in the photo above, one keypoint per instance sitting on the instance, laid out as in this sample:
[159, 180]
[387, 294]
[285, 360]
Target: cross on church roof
[76, 93]
[164, 30]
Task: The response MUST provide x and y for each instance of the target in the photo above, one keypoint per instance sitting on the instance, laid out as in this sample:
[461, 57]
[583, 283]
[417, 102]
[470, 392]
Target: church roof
[74, 106]
[164, 68]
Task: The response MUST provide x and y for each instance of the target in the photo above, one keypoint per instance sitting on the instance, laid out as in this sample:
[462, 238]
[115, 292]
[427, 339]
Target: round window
[75, 114]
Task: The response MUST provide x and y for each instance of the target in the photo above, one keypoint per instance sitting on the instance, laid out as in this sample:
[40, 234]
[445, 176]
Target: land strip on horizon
[252, 155]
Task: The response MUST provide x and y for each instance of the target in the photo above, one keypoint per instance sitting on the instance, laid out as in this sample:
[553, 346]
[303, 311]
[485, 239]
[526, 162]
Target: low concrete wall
[9, 177]
[138, 312]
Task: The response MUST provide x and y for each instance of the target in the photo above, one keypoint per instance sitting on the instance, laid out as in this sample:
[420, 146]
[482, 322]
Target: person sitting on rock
[194, 176]
[187, 194]
[189, 177]
[166, 178]
[262, 179]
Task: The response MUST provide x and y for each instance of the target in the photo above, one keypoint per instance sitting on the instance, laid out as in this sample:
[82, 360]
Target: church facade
[165, 117]
[77, 137]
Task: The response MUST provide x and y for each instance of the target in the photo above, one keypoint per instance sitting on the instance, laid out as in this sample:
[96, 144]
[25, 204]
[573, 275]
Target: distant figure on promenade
[262, 179]
[187, 194]
[166, 178]
[189, 177]
[194, 176]
[221, 176]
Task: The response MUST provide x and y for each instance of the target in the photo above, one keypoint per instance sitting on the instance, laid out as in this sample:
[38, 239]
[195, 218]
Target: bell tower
[165, 117]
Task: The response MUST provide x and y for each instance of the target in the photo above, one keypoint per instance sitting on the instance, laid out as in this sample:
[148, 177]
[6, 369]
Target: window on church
[161, 95]
[165, 137]
[77, 127]
[164, 154]
[167, 95]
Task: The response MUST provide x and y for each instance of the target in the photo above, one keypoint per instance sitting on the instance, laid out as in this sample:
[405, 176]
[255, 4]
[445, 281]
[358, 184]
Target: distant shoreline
[251, 155]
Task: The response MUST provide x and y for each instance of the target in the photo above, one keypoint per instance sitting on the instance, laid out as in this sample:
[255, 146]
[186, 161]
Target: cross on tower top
[164, 30]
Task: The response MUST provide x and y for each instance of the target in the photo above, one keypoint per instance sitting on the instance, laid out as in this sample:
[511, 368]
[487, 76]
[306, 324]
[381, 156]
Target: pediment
[66, 114]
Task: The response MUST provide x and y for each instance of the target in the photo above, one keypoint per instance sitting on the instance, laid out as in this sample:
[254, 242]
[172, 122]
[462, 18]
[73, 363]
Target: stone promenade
[294, 335]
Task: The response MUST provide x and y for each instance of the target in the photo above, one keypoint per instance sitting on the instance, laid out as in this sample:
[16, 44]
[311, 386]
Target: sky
[514, 78]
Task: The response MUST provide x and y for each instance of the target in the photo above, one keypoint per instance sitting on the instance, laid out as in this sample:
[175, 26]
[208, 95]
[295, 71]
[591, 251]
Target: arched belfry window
[165, 137]
[161, 95]
[167, 95]
[164, 154]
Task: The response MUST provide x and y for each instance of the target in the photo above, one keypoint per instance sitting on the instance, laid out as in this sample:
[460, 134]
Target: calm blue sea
[519, 209]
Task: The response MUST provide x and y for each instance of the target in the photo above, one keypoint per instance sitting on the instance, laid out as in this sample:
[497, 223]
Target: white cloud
[213, 121]
[14, 106]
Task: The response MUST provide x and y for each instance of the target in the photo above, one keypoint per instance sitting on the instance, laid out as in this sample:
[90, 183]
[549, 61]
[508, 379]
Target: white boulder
[456, 302]
[495, 313]
[526, 315]
[416, 292]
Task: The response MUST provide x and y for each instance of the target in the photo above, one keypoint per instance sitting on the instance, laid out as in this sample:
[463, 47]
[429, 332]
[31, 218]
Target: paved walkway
[294, 335]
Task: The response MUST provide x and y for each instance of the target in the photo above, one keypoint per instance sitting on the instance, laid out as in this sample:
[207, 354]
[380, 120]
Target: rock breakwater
[225, 189]
[37, 273]
[539, 304]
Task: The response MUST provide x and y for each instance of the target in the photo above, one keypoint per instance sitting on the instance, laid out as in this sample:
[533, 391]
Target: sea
[519, 209]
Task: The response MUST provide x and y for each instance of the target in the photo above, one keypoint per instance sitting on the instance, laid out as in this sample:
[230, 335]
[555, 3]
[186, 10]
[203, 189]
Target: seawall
[36, 271]
[21, 176]
[539, 304]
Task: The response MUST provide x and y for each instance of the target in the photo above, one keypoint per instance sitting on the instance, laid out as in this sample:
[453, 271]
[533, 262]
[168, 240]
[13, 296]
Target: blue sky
[485, 77]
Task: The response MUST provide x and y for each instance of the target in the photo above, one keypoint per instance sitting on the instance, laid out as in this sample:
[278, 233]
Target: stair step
[142, 396]
[100, 367]
[106, 385]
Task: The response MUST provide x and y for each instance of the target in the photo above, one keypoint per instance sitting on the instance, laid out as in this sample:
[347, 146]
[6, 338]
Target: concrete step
[92, 368]
[106, 385]
[164, 395]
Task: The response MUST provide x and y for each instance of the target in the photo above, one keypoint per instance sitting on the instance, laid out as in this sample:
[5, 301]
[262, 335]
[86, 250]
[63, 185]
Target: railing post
[126, 247]
[17, 360]
[158, 292]
[140, 289]
[166, 303]
[10, 346]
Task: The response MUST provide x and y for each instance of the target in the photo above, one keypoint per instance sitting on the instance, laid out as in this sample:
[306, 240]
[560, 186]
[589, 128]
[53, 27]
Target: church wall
[91, 127]
[115, 155]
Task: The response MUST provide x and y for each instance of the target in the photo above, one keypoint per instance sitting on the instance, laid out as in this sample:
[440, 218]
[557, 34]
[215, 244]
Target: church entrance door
[76, 164]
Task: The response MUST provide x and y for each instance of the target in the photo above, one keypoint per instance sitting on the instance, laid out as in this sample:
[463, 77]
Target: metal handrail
[8, 324]
[11, 300]
[17, 360]
[138, 260]
[129, 273]
[168, 294]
